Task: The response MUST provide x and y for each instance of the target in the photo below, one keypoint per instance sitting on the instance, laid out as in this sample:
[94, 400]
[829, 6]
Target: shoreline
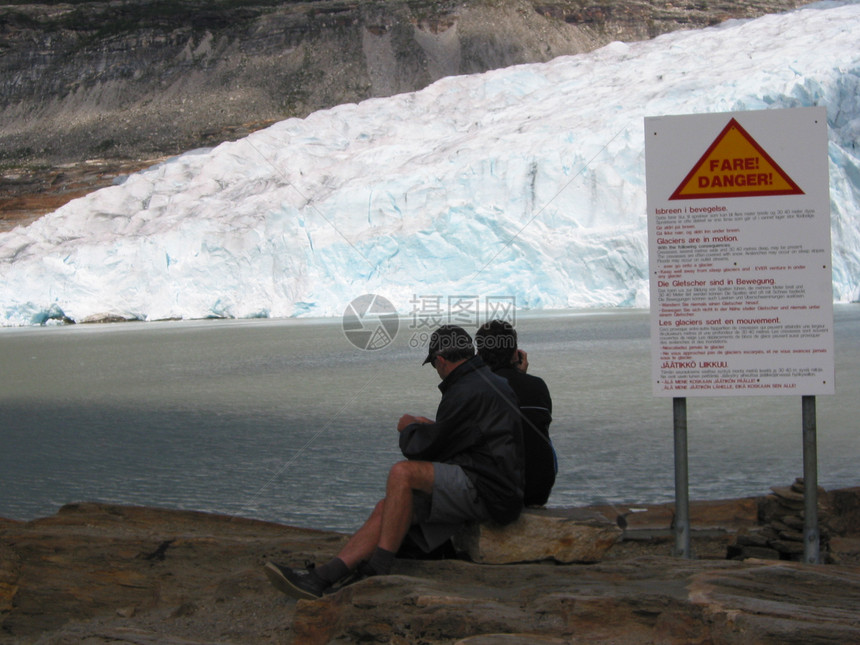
[646, 528]
[531, 314]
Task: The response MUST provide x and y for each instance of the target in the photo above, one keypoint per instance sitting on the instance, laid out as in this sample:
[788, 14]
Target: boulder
[563, 535]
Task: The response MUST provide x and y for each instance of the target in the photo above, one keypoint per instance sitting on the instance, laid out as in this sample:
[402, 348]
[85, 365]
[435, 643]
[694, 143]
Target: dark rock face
[138, 79]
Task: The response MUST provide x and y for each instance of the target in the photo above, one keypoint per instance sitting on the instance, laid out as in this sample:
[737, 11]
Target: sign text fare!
[735, 165]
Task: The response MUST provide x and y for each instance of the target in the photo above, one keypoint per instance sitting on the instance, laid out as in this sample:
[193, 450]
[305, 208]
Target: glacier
[526, 182]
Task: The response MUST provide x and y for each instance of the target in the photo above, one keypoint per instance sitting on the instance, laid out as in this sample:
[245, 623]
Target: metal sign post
[810, 483]
[682, 498]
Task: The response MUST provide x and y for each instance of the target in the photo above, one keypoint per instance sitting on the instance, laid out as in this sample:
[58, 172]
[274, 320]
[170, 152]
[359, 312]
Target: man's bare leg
[403, 478]
[376, 541]
[391, 518]
[362, 543]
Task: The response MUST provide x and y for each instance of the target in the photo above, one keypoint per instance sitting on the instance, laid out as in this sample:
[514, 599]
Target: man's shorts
[454, 502]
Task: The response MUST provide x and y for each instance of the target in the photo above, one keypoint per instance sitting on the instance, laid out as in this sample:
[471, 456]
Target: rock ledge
[100, 573]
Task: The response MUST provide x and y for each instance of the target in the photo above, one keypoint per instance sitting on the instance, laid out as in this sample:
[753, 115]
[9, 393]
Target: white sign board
[739, 244]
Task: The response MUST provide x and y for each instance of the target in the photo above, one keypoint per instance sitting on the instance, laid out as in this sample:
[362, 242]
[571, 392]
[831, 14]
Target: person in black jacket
[467, 465]
[497, 346]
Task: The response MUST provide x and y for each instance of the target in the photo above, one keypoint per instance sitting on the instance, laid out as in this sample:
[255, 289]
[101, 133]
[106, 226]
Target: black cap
[446, 338]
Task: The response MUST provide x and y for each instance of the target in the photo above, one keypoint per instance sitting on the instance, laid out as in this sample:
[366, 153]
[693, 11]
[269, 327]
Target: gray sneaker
[299, 583]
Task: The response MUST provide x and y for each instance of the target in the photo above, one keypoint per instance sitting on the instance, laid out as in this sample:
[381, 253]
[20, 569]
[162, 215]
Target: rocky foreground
[99, 573]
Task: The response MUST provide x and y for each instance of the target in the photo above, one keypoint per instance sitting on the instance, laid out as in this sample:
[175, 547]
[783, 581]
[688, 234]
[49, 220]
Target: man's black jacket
[478, 428]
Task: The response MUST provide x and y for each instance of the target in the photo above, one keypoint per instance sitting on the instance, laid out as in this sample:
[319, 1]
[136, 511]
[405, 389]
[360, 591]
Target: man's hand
[408, 419]
[522, 363]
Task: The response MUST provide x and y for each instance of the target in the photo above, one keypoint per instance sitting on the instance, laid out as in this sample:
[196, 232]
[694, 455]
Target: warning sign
[735, 166]
[741, 282]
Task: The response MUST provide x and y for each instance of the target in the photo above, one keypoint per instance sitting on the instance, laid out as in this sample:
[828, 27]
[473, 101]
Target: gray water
[288, 421]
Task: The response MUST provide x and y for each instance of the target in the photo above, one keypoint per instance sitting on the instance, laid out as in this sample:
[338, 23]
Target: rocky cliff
[141, 78]
[100, 573]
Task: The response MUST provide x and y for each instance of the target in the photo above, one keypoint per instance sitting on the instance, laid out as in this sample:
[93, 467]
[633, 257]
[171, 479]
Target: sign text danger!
[735, 165]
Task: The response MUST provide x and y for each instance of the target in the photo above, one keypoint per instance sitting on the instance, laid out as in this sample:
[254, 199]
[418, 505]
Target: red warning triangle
[735, 166]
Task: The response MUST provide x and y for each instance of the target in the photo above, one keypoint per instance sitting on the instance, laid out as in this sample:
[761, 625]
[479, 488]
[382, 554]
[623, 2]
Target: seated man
[497, 346]
[467, 465]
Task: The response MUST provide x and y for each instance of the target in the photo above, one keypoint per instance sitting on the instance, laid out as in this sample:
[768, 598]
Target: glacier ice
[525, 182]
